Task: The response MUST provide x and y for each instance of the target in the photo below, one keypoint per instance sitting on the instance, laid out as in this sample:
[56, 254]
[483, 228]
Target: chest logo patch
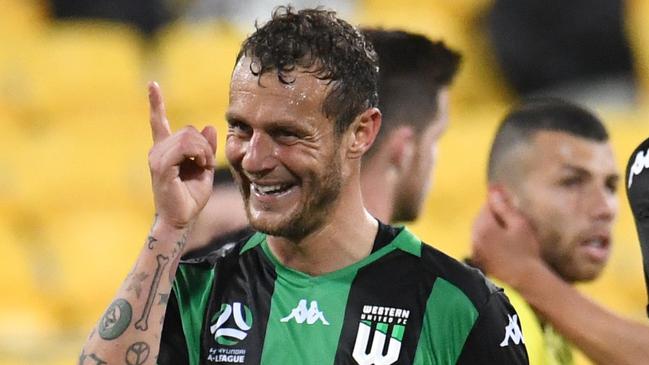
[231, 323]
[302, 314]
[389, 325]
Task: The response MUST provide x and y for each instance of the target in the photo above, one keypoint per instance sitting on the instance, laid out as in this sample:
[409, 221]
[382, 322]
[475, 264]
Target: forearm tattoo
[180, 245]
[137, 353]
[93, 359]
[164, 298]
[116, 320]
[176, 255]
[162, 261]
[150, 242]
[136, 283]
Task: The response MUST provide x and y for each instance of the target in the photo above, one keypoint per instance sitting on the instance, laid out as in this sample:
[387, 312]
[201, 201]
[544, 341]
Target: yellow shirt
[544, 345]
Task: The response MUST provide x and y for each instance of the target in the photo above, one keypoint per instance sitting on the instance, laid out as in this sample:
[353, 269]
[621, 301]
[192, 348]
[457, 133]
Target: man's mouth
[596, 242]
[271, 189]
[597, 247]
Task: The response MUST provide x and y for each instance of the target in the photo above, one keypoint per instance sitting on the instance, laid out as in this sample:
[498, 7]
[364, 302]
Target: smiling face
[283, 151]
[566, 188]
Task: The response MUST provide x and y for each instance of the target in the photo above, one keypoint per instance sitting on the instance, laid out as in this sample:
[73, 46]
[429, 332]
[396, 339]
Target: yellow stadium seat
[96, 160]
[11, 140]
[196, 62]
[457, 24]
[87, 66]
[637, 28]
[21, 18]
[17, 75]
[25, 312]
[93, 250]
[16, 270]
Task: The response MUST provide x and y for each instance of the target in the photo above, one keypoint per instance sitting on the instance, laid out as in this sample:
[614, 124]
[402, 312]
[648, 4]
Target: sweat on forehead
[245, 70]
[304, 88]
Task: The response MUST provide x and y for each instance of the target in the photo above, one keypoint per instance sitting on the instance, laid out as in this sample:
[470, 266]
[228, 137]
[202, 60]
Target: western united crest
[386, 327]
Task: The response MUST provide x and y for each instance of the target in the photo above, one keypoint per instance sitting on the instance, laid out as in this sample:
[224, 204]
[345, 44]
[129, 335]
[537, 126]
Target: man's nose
[603, 204]
[258, 155]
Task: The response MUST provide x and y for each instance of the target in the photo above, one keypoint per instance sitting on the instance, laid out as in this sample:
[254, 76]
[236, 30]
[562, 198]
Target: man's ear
[362, 132]
[510, 196]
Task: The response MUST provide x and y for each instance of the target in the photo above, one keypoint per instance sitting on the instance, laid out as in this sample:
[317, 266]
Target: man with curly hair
[321, 281]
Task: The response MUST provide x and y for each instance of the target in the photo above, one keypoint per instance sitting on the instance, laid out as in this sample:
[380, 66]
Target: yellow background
[75, 200]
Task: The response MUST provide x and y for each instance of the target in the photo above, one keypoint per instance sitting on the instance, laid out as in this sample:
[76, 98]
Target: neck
[344, 239]
[379, 190]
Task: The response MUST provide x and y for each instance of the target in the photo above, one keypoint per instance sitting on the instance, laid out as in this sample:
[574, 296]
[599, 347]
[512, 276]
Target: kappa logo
[640, 163]
[242, 320]
[384, 318]
[303, 314]
[512, 332]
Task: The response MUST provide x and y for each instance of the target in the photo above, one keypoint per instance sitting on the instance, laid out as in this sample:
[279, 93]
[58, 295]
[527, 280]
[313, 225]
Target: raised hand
[504, 243]
[181, 164]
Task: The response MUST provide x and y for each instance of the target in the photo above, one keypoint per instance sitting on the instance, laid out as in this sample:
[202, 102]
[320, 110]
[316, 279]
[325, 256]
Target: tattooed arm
[132, 321]
[182, 166]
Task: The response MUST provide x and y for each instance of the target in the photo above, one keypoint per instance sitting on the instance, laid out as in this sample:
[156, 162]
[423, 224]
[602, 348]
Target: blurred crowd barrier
[75, 200]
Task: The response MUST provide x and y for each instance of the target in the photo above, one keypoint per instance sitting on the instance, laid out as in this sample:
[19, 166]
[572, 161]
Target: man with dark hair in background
[414, 77]
[322, 281]
[547, 225]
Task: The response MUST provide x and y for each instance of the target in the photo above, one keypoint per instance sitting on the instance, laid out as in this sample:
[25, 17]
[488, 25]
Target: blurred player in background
[414, 76]
[547, 225]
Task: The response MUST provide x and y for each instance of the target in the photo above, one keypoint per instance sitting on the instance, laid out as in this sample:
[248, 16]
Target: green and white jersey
[406, 303]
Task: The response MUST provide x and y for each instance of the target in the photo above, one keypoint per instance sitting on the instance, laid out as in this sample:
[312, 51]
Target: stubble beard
[312, 213]
[563, 263]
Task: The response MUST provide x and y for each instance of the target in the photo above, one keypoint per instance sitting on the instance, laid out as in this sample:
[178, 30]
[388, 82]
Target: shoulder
[446, 276]
[468, 309]
[198, 273]
[228, 247]
[464, 278]
[530, 325]
[529, 319]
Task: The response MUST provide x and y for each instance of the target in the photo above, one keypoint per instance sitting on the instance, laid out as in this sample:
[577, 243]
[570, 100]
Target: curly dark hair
[318, 42]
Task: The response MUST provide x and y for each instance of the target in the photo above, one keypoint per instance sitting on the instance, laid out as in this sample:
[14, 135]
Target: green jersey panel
[406, 303]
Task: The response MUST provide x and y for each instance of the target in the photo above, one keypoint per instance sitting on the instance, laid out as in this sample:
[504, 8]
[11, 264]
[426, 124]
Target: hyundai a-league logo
[231, 323]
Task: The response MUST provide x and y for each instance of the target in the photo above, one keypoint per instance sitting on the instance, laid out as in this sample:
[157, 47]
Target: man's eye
[238, 127]
[286, 135]
[612, 186]
[572, 181]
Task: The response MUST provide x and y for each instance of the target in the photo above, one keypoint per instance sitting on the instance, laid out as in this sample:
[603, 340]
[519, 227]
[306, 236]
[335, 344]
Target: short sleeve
[496, 337]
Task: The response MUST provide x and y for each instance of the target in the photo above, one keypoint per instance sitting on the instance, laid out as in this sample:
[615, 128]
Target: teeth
[268, 189]
[596, 243]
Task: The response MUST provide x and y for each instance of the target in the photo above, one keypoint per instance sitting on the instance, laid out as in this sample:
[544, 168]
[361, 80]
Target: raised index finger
[159, 124]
